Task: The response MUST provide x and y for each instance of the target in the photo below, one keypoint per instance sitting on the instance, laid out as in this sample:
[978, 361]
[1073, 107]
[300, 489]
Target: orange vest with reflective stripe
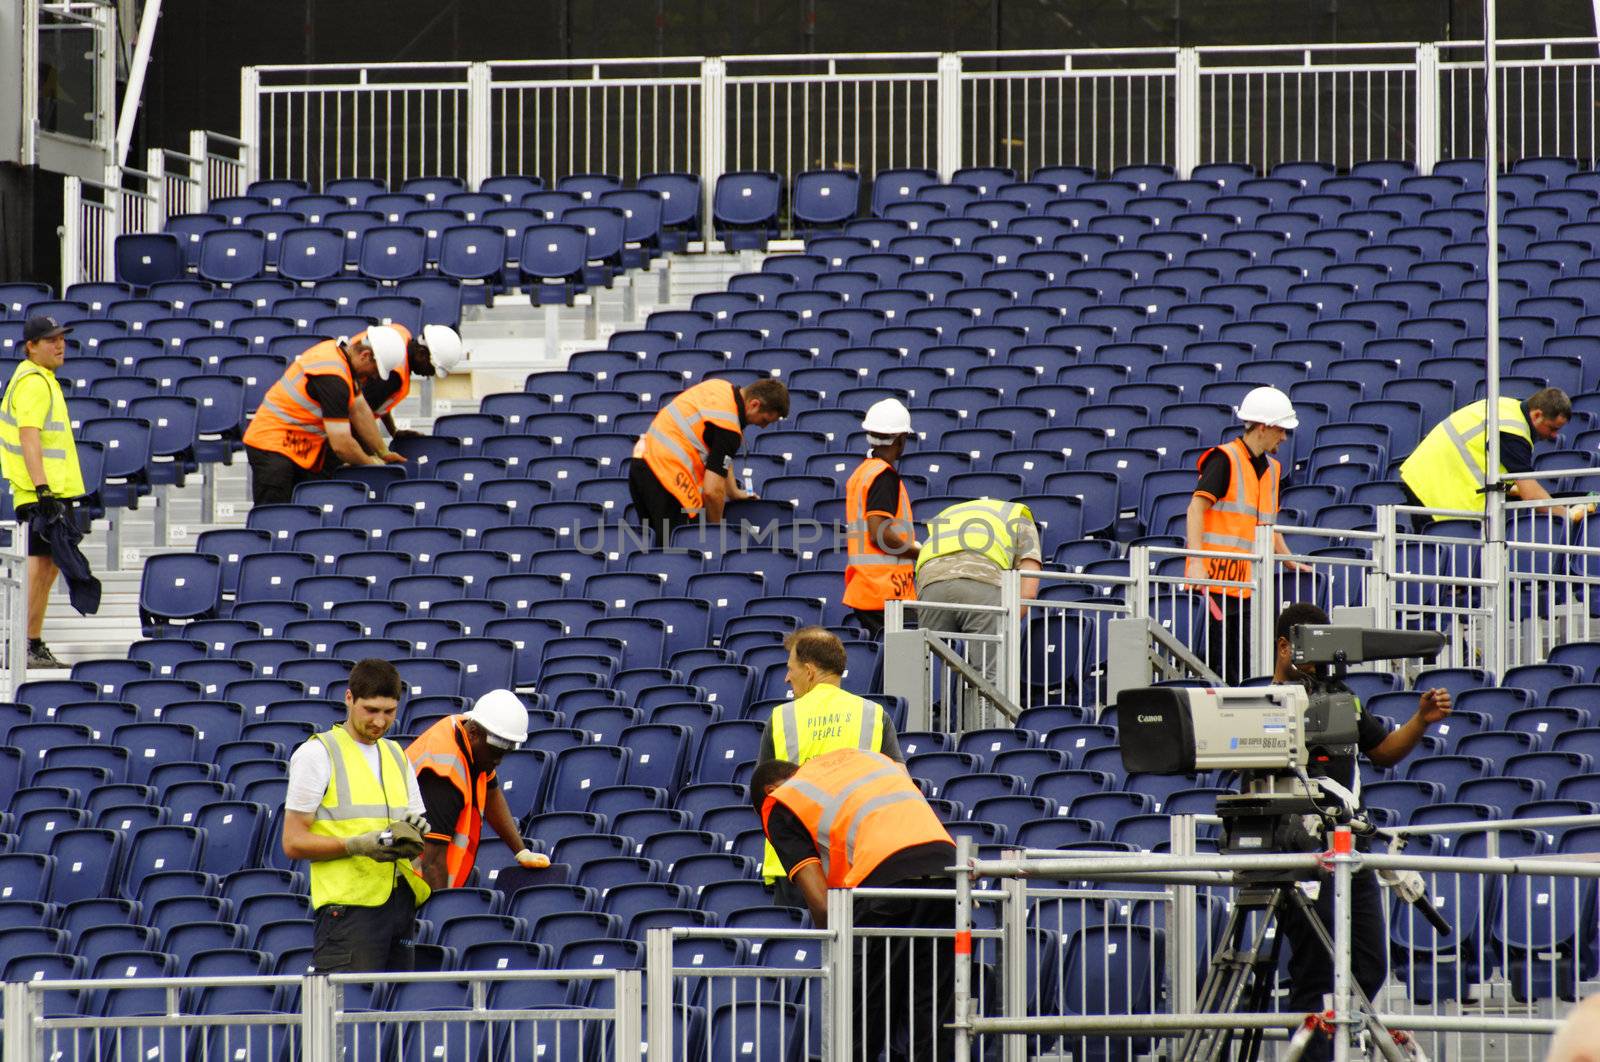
[674, 446]
[404, 371]
[872, 576]
[860, 808]
[1230, 524]
[442, 749]
[289, 420]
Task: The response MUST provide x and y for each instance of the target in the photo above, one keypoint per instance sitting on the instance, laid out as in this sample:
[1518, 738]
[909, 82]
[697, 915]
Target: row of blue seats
[181, 311]
[552, 259]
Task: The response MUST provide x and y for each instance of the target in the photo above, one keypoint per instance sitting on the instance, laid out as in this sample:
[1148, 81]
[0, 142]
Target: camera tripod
[1239, 979]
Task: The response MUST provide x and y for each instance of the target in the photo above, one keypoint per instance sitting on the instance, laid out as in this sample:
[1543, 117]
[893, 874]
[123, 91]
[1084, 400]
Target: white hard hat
[504, 716]
[388, 349]
[887, 417]
[444, 348]
[1269, 406]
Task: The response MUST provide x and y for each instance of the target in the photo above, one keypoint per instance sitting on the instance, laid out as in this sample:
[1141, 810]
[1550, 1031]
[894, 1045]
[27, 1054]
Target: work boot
[40, 656]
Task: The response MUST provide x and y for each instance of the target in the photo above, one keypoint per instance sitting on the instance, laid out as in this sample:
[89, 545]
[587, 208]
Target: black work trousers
[656, 507]
[905, 987]
[871, 621]
[273, 477]
[1228, 636]
[350, 939]
[1310, 964]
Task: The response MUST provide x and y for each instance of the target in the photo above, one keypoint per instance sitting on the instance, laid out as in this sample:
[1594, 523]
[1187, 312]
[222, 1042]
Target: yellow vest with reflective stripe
[1449, 467]
[982, 527]
[826, 719]
[357, 802]
[60, 453]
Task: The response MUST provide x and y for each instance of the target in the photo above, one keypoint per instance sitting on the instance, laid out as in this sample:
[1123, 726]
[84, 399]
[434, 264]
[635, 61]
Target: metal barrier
[1503, 590]
[182, 188]
[391, 121]
[952, 678]
[131, 200]
[1099, 109]
[867, 112]
[1552, 566]
[1546, 89]
[1110, 971]
[230, 164]
[463, 1014]
[626, 117]
[1338, 104]
[95, 214]
[14, 610]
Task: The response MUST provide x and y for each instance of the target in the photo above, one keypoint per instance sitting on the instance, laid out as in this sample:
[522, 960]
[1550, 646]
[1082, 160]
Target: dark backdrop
[194, 80]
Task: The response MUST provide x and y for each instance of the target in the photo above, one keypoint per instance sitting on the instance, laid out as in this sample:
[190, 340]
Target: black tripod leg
[1199, 1044]
[1227, 981]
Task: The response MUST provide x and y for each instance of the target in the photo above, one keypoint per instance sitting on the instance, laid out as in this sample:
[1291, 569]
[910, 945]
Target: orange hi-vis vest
[1230, 524]
[404, 370]
[674, 446]
[442, 749]
[289, 420]
[872, 576]
[860, 808]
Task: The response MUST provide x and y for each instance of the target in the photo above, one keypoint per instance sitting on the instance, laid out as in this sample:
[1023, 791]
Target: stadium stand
[1072, 348]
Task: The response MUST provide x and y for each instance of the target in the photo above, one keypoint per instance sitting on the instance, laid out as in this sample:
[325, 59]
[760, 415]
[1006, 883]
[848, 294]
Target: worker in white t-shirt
[353, 811]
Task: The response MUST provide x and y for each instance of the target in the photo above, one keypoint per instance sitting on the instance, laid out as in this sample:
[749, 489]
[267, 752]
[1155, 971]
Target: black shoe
[40, 656]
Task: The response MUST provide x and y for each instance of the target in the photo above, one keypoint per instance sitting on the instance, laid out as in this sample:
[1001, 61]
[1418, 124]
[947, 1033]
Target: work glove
[405, 840]
[371, 845]
[1579, 512]
[532, 860]
[418, 823]
[49, 507]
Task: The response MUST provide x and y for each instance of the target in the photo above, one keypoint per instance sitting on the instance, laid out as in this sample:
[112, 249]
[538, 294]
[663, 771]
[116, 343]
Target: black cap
[42, 327]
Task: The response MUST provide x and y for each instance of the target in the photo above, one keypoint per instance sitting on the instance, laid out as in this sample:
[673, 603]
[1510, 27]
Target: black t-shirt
[721, 443]
[380, 391]
[1516, 453]
[794, 845]
[1216, 473]
[884, 494]
[331, 394]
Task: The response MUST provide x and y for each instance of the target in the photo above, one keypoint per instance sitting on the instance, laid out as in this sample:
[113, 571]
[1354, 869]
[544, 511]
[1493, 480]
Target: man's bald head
[1579, 1038]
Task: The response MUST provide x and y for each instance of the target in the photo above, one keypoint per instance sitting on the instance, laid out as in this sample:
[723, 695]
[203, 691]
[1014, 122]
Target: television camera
[1281, 741]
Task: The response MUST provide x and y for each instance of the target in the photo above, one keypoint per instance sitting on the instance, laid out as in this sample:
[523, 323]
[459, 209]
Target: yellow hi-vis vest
[358, 802]
[983, 527]
[826, 719]
[60, 453]
[1448, 469]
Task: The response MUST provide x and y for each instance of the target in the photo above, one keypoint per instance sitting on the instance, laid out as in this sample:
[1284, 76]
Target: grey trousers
[964, 621]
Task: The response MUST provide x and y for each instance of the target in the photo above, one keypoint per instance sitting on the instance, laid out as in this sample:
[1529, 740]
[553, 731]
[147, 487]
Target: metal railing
[1098, 108]
[1339, 104]
[130, 200]
[625, 117]
[95, 214]
[1547, 89]
[1502, 590]
[14, 610]
[461, 1014]
[1117, 946]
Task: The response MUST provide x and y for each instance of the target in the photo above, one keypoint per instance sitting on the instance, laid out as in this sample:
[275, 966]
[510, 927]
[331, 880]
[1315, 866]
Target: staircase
[506, 341]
